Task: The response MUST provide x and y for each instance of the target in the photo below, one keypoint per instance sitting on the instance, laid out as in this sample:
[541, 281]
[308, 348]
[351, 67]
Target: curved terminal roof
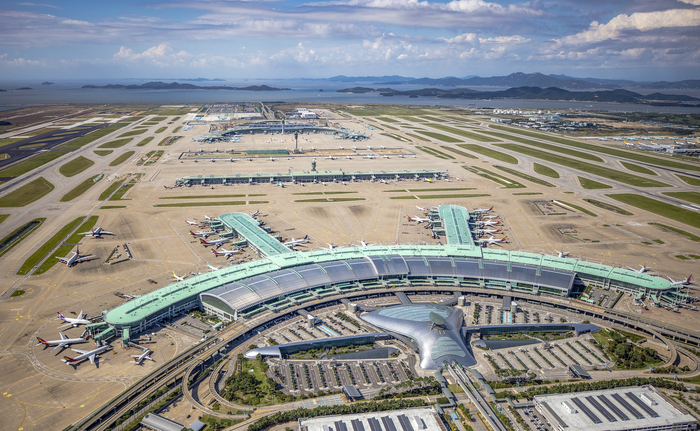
[436, 344]
[456, 223]
[249, 228]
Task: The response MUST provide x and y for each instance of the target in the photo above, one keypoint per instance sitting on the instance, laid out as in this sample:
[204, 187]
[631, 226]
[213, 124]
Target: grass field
[208, 204]
[3, 217]
[546, 171]
[678, 231]
[488, 152]
[464, 133]
[607, 206]
[692, 197]
[497, 178]
[121, 159]
[112, 187]
[323, 193]
[165, 142]
[111, 207]
[9, 141]
[27, 194]
[466, 120]
[18, 235]
[589, 184]
[639, 169]
[689, 180]
[79, 190]
[527, 193]
[330, 200]
[456, 151]
[90, 137]
[115, 144]
[388, 120]
[455, 196]
[603, 149]
[209, 196]
[62, 251]
[47, 246]
[145, 141]
[31, 164]
[525, 176]
[132, 133]
[436, 153]
[161, 129]
[439, 136]
[549, 147]
[378, 110]
[441, 189]
[75, 166]
[103, 153]
[414, 136]
[579, 208]
[660, 208]
[589, 168]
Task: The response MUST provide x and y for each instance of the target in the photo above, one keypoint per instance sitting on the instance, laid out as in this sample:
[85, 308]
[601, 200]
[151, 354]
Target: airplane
[73, 321]
[369, 156]
[420, 208]
[281, 184]
[489, 223]
[488, 231]
[169, 188]
[75, 259]
[207, 217]
[294, 242]
[202, 233]
[138, 359]
[364, 244]
[341, 147]
[215, 242]
[212, 267]
[92, 355]
[369, 148]
[96, 233]
[385, 156]
[178, 278]
[348, 157]
[191, 223]
[491, 240]
[491, 217]
[255, 213]
[331, 246]
[60, 344]
[226, 253]
[482, 210]
[643, 269]
[271, 159]
[419, 220]
[562, 254]
[685, 282]
[330, 157]
[354, 148]
[383, 147]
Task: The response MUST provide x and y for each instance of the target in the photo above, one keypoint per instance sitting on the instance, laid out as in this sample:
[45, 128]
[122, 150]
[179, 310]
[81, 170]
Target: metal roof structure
[310, 176]
[159, 423]
[249, 228]
[455, 220]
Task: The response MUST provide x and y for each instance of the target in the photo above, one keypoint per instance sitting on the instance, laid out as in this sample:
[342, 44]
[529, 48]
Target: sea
[300, 91]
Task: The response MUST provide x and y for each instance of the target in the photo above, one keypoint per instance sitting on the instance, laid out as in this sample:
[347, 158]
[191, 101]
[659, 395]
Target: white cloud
[160, 55]
[20, 62]
[693, 2]
[471, 38]
[38, 4]
[511, 40]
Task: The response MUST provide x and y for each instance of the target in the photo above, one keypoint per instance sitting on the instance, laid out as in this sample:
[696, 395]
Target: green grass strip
[414, 136]
[47, 246]
[579, 208]
[459, 195]
[18, 235]
[90, 137]
[324, 193]
[79, 190]
[464, 133]
[546, 171]
[497, 178]
[689, 180]
[525, 176]
[31, 163]
[111, 207]
[145, 141]
[161, 130]
[609, 207]
[209, 196]
[330, 200]
[121, 159]
[678, 231]
[456, 151]
[605, 150]
[436, 153]
[388, 120]
[112, 187]
[692, 197]
[103, 153]
[27, 194]
[403, 197]
[589, 168]
[75, 166]
[62, 251]
[663, 209]
[589, 184]
[3, 217]
[115, 144]
[444, 189]
[550, 147]
[527, 193]
[132, 133]
[208, 204]
[488, 152]
[439, 136]
[640, 169]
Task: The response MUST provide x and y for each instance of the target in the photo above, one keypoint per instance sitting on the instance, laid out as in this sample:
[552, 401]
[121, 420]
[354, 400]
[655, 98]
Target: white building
[416, 419]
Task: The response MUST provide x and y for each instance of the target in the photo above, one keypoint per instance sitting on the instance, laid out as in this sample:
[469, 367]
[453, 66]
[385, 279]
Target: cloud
[470, 38]
[38, 4]
[511, 40]
[693, 2]
[20, 62]
[160, 55]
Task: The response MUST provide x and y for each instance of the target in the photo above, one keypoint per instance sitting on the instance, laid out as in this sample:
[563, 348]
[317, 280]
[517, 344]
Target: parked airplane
[369, 156]
[383, 147]
[60, 344]
[685, 282]
[562, 253]
[419, 220]
[97, 233]
[482, 210]
[488, 231]
[641, 270]
[202, 233]
[491, 240]
[80, 320]
[191, 223]
[330, 157]
[489, 223]
[341, 147]
[369, 148]
[331, 246]
[92, 355]
[75, 259]
[169, 188]
[255, 213]
[226, 253]
[212, 267]
[138, 359]
[364, 244]
[294, 242]
[215, 242]
[491, 217]
[420, 208]
[207, 217]
[178, 278]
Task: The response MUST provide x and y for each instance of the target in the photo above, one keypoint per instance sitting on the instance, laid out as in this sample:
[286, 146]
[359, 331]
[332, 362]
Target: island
[24, 88]
[158, 85]
[47, 83]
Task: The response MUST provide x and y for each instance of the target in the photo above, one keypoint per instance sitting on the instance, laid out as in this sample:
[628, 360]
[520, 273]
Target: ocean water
[300, 91]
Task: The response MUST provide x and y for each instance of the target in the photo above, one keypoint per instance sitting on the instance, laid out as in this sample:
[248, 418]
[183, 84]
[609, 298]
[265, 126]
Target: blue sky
[632, 39]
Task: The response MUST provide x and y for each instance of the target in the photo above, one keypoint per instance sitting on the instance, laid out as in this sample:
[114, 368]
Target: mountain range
[158, 85]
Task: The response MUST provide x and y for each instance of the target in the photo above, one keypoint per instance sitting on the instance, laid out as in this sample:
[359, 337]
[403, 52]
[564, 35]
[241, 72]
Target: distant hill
[158, 85]
[690, 84]
[372, 79]
[47, 83]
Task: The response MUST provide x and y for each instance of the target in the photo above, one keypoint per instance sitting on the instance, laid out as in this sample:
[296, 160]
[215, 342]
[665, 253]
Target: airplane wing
[63, 336]
[60, 346]
[92, 358]
[62, 259]
[82, 352]
[84, 259]
[63, 326]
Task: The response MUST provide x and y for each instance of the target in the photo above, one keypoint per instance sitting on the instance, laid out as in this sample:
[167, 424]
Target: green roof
[456, 224]
[249, 228]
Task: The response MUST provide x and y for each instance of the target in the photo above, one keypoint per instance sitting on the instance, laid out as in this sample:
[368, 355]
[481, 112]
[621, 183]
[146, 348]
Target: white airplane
[331, 246]
[80, 320]
[226, 253]
[491, 240]
[178, 278]
[294, 242]
[420, 208]
[207, 217]
[271, 159]
[202, 233]
[482, 210]
[60, 344]
[562, 254]
[385, 156]
[364, 244]
[382, 147]
[215, 242]
[92, 355]
[685, 282]
[330, 157]
[75, 259]
[138, 359]
[255, 213]
[169, 188]
[97, 233]
[491, 217]
[354, 148]
[369, 156]
[191, 223]
[419, 220]
[212, 267]
[643, 269]
[488, 231]
[489, 223]
[369, 148]
[348, 157]
[341, 147]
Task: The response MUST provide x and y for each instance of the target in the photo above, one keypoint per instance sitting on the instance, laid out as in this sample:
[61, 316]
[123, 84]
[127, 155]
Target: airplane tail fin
[68, 360]
[192, 233]
[216, 253]
[60, 316]
[306, 237]
[203, 241]
[41, 341]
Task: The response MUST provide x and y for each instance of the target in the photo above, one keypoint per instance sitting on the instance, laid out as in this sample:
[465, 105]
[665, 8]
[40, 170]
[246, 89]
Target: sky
[648, 40]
